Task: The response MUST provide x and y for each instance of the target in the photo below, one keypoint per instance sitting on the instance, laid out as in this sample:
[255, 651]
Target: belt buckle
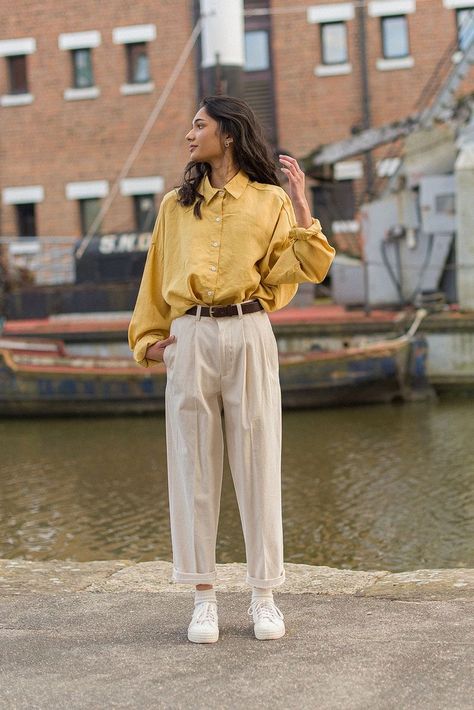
[210, 311]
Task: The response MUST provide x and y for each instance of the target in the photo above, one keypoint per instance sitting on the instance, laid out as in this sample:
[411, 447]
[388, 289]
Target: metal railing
[38, 260]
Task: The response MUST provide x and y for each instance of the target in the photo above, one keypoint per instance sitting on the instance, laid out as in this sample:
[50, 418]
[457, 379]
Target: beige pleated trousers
[224, 366]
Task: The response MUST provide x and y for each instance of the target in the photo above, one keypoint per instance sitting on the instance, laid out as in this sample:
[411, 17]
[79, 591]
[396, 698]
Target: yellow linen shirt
[246, 246]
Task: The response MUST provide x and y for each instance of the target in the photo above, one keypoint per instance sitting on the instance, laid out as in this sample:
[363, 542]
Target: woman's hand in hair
[296, 180]
[155, 351]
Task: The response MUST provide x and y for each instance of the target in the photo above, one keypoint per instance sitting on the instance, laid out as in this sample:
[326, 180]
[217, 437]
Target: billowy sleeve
[151, 316]
[296, 254]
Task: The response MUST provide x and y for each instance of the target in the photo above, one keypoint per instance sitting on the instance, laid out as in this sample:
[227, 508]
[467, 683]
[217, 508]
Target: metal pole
[365, 92]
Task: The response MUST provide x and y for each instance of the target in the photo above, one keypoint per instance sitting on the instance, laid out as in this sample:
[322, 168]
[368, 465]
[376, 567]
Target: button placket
[215, 243]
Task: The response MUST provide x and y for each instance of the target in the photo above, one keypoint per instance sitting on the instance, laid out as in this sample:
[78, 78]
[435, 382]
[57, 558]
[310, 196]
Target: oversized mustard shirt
[246, 246]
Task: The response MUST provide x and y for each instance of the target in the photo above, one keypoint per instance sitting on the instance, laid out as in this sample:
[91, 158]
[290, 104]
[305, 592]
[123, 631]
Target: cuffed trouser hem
[265, 583]
[191, 578]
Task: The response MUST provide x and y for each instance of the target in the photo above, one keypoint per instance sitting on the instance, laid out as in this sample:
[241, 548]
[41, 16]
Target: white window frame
[324, 14]
[152, 185]
[12, 48]
[133, 34]
[29, 194]
[87, 190]
[393, 8]
[80, 40]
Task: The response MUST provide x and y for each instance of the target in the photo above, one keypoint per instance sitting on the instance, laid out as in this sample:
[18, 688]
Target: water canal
[381, 487]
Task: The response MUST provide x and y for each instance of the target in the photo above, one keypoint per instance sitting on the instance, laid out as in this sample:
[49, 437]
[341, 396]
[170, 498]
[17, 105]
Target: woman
[228, 246]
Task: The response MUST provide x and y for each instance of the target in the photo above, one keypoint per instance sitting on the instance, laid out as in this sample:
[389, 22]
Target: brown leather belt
[226, 311]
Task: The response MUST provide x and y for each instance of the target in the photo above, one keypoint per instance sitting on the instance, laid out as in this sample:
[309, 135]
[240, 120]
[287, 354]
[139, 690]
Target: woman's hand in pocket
[155, 351]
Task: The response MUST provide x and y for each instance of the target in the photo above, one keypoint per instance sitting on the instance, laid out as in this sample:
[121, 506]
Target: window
[82, 68]
[465, 27]
[138, 63]
[257, 54]
[333, 43]
[89, 209]
[145, 212]
[17, 74]
[395, 37]
[26, 220]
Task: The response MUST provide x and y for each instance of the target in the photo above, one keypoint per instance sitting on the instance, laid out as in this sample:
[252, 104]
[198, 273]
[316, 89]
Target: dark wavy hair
[251, 150]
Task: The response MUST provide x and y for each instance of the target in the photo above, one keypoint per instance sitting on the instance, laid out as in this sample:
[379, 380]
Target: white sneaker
[267, 619]
[203, 627]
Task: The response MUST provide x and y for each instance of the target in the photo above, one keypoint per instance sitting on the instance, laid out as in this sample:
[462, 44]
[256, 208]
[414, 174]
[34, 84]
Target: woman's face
[205, 141]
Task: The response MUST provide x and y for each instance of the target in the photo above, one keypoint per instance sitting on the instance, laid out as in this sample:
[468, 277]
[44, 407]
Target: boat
[39, 377]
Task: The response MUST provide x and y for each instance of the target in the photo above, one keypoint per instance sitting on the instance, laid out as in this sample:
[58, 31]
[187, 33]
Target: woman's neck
[222, 172]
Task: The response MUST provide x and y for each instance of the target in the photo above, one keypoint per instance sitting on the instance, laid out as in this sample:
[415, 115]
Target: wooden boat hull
[387, 374]
[35, 382]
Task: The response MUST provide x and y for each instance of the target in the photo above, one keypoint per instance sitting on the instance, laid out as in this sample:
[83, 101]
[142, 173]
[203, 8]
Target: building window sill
[130, 89]
[387, 167]
[348, 226]
[348, 170]
[392, 64]
[16, 99]
[90, 92]
[332, 69]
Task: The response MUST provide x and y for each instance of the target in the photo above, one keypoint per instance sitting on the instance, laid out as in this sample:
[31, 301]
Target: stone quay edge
[18, 576]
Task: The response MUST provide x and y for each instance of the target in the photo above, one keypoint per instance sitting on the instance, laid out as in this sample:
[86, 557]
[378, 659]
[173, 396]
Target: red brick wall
[312, 110]
[53, 141]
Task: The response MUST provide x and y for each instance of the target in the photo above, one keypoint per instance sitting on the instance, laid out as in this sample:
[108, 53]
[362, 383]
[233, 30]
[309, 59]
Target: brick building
[78, 82]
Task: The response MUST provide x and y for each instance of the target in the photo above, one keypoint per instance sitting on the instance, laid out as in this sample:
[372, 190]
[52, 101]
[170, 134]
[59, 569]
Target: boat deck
[69, 326]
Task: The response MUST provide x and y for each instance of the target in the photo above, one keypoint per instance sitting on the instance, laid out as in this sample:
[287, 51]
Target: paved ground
[127, 648]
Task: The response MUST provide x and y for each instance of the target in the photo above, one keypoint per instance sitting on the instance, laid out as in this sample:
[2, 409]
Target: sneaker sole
[200, 637]
[269, 635]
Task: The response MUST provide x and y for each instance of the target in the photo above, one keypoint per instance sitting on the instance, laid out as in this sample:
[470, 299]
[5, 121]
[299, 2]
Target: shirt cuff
[302, 233]
[140, 349]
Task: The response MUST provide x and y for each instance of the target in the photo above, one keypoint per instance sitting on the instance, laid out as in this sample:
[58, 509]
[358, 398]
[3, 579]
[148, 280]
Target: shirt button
[213, 268]
[210, 293]
[218, 219]
[221, 192]
[215, 244]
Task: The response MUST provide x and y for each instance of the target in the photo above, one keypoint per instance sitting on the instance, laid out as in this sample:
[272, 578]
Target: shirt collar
[234, 187]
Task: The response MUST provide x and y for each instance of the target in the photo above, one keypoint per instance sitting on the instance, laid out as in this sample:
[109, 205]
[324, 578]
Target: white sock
[205, 595]
[259, 593]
